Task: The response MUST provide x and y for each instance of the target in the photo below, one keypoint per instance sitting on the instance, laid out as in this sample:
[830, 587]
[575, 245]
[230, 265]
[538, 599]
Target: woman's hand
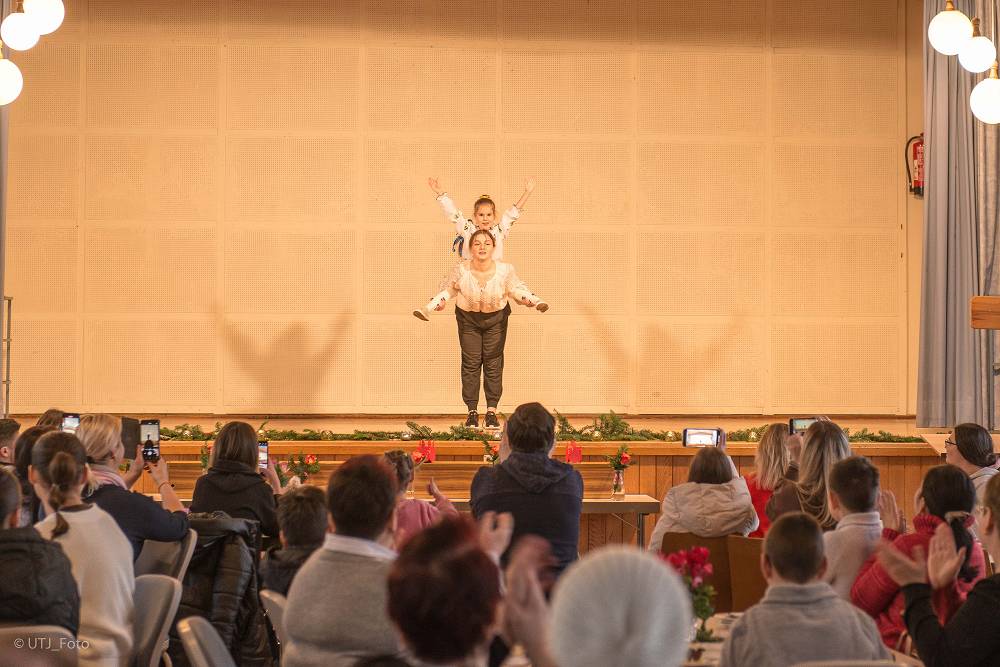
[526, 613]
[159, 472]
[495, 531]
[435, 185]
[943, 560]
[441, 305]
[903, 569]
[271, 475]
[440, 501]
[889, 512]
[794, 445]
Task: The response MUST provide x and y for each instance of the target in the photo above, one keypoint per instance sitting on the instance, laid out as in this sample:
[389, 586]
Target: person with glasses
[970, 448]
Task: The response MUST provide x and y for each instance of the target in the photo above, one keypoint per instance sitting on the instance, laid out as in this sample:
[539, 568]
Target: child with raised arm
[484, 217]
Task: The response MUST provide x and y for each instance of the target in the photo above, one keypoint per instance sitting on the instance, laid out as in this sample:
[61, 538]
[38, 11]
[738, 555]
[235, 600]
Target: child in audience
[99, 554]
[947, 497]
[970, 447]
[972, 636]
[713, 502]
[854, 496]
[771, 463]
[800, 618]
[414, 514]
[302, 525]
[825, 444]
[37, 586]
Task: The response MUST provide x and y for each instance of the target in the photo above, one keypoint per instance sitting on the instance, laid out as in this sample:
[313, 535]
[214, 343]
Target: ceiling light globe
[977, 54]
[985, 99]
[48, 15]
[11, 82]
[18, 31]
[949, 31]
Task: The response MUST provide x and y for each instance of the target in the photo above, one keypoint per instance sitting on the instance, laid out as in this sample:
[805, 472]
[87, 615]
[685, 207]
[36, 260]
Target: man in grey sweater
[854, 502]
[801, 618]
[336, 608]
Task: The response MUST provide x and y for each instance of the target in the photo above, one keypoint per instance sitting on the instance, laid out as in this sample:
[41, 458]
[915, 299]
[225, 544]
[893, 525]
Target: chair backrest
[169, 558]
[37, 646]
[156, 598]
[748, 583]
[203, 645]
[274, 605]
[718, 557]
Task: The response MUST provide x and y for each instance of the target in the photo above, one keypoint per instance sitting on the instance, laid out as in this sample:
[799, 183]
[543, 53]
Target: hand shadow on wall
[288, 365]
[617, 356]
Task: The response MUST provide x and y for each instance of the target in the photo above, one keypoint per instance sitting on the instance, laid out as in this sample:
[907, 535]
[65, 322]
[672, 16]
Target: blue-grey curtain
[955, 374]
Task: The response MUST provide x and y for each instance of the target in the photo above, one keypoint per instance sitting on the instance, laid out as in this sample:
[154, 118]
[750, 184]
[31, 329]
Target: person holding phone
[140, 517]
[234, 484]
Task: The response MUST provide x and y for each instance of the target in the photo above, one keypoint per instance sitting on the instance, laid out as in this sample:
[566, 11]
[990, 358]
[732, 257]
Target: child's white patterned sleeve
[510, 216]
[455, 216]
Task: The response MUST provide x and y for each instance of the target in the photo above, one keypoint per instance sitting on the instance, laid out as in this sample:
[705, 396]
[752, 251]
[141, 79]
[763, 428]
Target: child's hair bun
[485, 197]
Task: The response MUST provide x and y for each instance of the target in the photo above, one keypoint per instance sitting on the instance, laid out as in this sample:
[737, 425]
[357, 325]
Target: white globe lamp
[48, 15]
[949, 30]
[18, 31]
[985, 98]
[11, 81]
[977, 54]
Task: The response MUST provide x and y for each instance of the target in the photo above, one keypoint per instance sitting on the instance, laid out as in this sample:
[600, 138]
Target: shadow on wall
[282, 370]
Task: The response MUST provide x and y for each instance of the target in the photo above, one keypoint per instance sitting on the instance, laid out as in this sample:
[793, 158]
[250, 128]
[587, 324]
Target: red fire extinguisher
[915, 171]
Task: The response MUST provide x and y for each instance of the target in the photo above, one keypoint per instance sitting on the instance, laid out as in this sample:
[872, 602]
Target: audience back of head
[531, 428]
[794, 548]
[236, 442]
[444, 592]
[302, 516]
[361, 496]
[948, 493]
[975, 445]
[59, 462]
[8, 434]
[52, 417]
[402, 463]
[856, 482]
[10, 499]
[825, 444]
[710, 466]
[101, 437]
[772, 459]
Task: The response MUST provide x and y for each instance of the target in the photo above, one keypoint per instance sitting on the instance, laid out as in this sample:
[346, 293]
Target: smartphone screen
[262, 455]
[800, 424]
[70, 422]
[701, 437]
[149, 436]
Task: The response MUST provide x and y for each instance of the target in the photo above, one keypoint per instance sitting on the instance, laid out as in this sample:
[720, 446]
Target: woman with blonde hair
[139, 517]
[825, 444]
[770, 467]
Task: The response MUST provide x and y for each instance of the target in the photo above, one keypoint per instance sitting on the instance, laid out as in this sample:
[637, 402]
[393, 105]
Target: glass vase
[618, 485]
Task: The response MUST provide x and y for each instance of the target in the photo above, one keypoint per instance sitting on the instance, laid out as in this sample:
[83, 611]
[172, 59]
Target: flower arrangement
[693, 566]
[491, 452]
[205, 456]
[619, 461]
[297, 466]
[419, 458]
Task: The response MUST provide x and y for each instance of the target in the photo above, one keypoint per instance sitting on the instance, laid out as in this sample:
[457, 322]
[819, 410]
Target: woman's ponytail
[959, 522]
[59, 459]
[949, 494]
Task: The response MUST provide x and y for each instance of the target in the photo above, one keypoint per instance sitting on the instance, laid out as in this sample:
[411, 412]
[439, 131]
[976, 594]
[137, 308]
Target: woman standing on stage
[483, 286]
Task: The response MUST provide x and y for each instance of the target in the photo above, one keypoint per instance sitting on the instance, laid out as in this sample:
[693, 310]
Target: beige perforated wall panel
[221, 206]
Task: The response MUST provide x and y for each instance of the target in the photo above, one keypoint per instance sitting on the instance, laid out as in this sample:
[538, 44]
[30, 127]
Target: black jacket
[238, 490]
[279, 567]
[221, 586]
[140, 517]
[972, 636]
[544, 495]
[37, 586]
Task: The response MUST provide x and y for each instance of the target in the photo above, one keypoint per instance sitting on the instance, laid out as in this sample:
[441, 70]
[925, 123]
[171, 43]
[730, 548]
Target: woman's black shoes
[473, 419]
[491, 420]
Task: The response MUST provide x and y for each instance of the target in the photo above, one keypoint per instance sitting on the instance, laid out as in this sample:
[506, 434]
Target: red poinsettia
[693, 566]
[310, 459]
[418, 457]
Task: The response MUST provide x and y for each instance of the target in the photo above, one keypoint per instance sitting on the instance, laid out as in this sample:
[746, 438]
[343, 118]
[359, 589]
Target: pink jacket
[875, 592]
[412, 516]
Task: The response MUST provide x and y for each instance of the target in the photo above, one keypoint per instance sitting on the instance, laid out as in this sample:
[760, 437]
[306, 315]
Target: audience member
[337, 603]
[771, 464]
[139, 516]
[801, 618]
[302, 525]
[99, 554]
[713, 502]
[8, 438]
[233, 484]
[617, 606]
[970, 448]
[52, 417]
[972, 636]
[414, 514]
[946, 496]
[444, 591]
[32, 510]
[825, 444]
[545, 496]
[854, 502]
[37, 586]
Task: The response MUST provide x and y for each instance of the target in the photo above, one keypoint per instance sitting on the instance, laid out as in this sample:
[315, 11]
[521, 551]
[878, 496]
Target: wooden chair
[719, 558]
[748, 583]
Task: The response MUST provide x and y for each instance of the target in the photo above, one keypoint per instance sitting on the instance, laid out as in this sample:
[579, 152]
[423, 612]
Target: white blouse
[476, 298]
[465, 227]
